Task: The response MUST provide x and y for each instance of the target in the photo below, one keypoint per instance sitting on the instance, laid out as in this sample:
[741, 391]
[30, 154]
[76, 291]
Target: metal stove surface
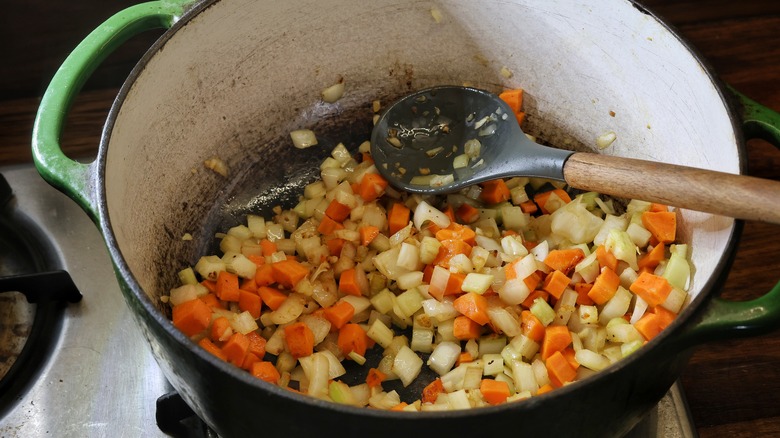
[101, 380]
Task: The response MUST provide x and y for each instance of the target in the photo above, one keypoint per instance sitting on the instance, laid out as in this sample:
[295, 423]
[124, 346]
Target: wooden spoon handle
[720, 193]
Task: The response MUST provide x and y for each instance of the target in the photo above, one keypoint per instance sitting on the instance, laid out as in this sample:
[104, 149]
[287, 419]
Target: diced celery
[513, 218]
[504, 321]
[524, 345]
[621, 331]
[611, 222]
[187, 276]
[565, 306]
[491, 344]
[518, 195]
[493, 364]
[477, 283]
[631, 347]
[678, 270]
[339, 392]
[619, 243]
[543, 311]
[409, 302]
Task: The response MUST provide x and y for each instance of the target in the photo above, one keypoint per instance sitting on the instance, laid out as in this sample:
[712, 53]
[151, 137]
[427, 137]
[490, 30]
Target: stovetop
[100, 378]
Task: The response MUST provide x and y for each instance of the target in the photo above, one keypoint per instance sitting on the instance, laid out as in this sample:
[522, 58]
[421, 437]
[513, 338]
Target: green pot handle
[76, 179]
[723, 319]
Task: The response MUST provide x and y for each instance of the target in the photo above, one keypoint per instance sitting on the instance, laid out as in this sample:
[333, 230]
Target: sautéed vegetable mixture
[506, 290]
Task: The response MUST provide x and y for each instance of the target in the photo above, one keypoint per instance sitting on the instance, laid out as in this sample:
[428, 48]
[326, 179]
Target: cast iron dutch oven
[232, 78]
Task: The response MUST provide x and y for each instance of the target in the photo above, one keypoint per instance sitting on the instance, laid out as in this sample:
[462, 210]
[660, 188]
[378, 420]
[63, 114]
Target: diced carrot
[257, 259]
[327, 226]
[399, 406]
[655, 206]
[335, 245]
[371, 186]
[351, 338]
[464, 357]
[455, 283]
[661, 224]
[299, 339]
[212, 348]
[652, 288]
[555, 283]
[337, 211]
[559, 370]
[248, 284]
[249, 360]
[352, 282]
[494, 391]
[272, 297]
[219, 329]
[265, 370]
[569, 354]
[494, 191]
[339, 313]
[533, 280]
[366, 158]
[652, 258]
[582, 290]
[606, 258]
[375, 378]
[267, 247]
[235, 348]
[397, 217]
[520, 116]
[250, 302]
[456, 231]
[544, 388]
[450, 213]
[227, 286]
[538, 293]
[665, 316]
[256, 344]
[564, 260]
[541, 198]
[513, 98]
[431, 392]
[450, 248]
[605, 286]
[289, 272]
[264, 276]
[367, 234]
[556, 338]
[529, 207]
[428, 273]
[212, 301]
[464, 328]
[474, 306]
[191, 317]
[210, 285]
[467, 213]
[649, 325]
[531, 326]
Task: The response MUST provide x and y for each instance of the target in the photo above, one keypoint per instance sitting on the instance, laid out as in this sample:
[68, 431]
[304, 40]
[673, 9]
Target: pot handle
[723, 319]
[75, 179]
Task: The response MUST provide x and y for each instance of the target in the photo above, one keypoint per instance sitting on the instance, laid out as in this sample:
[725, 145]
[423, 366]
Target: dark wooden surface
[733, 387]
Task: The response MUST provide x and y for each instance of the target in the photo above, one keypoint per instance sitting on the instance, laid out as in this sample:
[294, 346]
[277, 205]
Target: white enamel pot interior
[233, 77]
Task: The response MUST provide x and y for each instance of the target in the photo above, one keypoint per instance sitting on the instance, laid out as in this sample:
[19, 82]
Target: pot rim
[710, 288]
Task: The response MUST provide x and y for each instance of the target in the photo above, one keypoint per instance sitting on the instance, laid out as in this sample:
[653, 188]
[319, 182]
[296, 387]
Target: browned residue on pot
[402, 72]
